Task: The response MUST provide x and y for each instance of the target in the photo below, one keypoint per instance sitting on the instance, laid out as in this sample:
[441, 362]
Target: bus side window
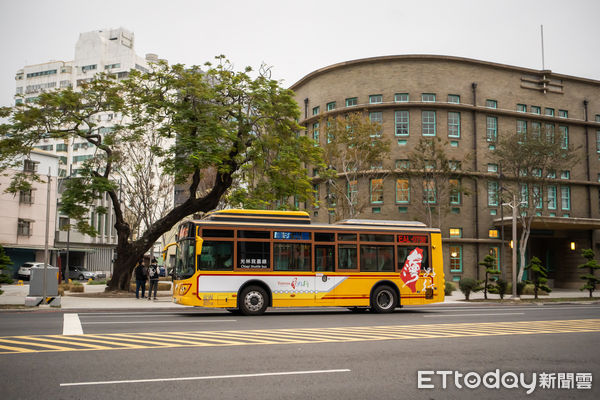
[216, 255]
[347, 256]
[324, 257]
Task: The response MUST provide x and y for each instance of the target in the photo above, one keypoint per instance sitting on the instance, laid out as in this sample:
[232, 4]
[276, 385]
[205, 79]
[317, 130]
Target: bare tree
[529, 167]
[354, 148]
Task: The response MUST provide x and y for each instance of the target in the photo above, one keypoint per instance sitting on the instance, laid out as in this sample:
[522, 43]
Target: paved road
[296, 354]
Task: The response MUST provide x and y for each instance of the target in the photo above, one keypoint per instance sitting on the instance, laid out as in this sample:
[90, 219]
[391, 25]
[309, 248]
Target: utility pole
[46, 258]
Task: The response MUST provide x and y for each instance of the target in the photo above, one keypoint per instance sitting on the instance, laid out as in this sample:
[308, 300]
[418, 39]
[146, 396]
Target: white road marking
[194, 378]
[161, 322]
[72, 325]
[471, 315]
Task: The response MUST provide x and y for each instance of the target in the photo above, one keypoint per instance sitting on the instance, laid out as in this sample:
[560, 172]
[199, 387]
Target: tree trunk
[128, 253]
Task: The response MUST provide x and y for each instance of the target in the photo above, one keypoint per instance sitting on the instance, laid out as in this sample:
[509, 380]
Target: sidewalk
[15, 295]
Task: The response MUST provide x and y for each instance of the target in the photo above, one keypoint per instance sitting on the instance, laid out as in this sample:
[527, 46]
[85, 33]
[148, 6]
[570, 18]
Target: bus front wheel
[253, 300]
[384, 300]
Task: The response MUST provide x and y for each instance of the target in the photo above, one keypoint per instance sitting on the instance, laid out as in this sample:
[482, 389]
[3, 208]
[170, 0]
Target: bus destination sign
[419, 239]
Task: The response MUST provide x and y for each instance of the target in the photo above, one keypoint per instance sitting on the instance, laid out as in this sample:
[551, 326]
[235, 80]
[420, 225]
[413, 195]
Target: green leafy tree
[435, 178]
[592, 265]
[529, 164]
[353, 150]
[5, 261]
[467, 286]
[539, 276]
[489, 262]
[501, 287]
[212, 121]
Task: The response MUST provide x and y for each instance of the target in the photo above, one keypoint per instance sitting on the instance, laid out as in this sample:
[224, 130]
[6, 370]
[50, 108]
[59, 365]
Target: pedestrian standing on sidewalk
[141, 274]
[153, 275]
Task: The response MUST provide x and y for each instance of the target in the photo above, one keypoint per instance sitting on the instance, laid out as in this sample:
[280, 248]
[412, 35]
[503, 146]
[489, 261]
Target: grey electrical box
[36, 281]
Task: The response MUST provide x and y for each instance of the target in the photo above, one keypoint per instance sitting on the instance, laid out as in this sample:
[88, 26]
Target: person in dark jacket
[153, 275]
[141, 274]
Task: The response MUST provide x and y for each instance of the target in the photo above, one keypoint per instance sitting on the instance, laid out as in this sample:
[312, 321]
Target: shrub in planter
[468, 285]
[74, 288]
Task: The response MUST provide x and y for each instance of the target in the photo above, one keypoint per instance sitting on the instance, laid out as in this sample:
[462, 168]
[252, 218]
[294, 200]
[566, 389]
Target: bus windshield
[185, 259]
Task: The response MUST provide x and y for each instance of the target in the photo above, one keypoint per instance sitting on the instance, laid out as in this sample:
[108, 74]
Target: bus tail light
[184, 288]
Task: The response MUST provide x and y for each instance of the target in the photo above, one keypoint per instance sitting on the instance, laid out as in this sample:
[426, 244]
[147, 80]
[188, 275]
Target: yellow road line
[118, 341]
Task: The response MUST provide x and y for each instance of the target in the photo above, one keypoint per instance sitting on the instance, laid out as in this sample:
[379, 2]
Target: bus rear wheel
[384, 299]
[253, 301]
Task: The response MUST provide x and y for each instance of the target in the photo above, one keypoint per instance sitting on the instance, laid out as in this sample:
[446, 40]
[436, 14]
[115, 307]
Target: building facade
[23, 216]
[110, 51]
[470, 104]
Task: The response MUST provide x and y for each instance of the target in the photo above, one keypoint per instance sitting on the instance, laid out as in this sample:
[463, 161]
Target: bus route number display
[419, 239]
[291, 235]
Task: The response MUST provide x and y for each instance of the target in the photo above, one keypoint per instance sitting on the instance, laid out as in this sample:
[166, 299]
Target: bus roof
[300, 219]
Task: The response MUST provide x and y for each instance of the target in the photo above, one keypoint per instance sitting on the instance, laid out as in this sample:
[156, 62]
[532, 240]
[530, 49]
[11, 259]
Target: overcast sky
[297, 37]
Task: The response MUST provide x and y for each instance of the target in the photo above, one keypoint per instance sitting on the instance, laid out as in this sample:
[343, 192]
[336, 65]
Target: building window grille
[24, 227]
[26, 196]
[401, 97]
[375, 99]
[402, 123]
[491, 103]
[331, 106]
[402, 190]
[428, 123]
[492, 129]
[351, 102]
[454, 125]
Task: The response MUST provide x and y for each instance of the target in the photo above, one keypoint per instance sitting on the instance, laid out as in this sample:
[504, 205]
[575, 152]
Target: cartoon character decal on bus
[413, 269]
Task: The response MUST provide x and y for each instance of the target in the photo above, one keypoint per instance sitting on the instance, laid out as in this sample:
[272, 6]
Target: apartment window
[549, 112]
[455, 258]
[524, 195]
[454, 124]
[563, 114]
[521, 108]
[90, 67]
[565, 174]
[454, 98]
[565, 197]
[402, 123]
[351, 101]
[536, 130]
[24, 227]
[428, 123]
[402, 164]
[522, 130]
[552, 198]
[597, 117]
[401, 97]
[549, 128]
[112, 66]
[491, 103]
[376, 117]
[375, 99]
[61, 147]
[316, 110]
[492, 194]
[564, 137]
[26, 196]
[402, 190]
[30, 166]
[316, 132]
[352, 191]
[536, 110]
[454, 191]
[492, 168]
[456, 232]
[428, 97]
[492, 129]
[429, 192]
[331, 106]
[376, 190]
[536, 192]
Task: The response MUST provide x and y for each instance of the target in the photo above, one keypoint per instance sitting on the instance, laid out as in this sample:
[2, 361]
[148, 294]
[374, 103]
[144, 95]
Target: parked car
[81, 273]
[25, 269]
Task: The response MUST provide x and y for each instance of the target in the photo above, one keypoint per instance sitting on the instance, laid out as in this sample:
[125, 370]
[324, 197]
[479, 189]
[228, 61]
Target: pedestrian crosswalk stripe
[120, 341]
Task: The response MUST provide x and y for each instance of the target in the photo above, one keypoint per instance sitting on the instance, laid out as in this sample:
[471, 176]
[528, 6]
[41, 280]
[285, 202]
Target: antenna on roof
[542, 31]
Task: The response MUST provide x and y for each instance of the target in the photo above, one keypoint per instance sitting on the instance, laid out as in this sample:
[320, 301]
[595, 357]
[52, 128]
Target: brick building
[470, 104]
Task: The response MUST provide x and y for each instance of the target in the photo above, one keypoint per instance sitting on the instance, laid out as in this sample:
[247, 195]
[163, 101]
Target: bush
[77, 289]
[529, 289]
[61, 291]
[520, 287]
[93, 282]
[5, 279]
[449, 288]
[468, 285]
[501, 287]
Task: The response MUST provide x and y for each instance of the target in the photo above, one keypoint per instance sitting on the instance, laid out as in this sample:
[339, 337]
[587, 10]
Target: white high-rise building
[111, 51]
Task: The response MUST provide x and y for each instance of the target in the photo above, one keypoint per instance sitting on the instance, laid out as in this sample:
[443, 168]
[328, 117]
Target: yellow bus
[248, 260]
